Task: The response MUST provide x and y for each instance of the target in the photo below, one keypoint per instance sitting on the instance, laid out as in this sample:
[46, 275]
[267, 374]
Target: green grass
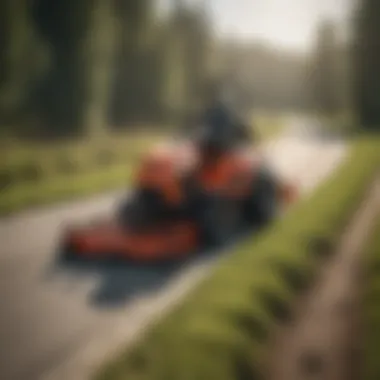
[221, 330]
[64, 187]
[33, 178]
[84, 155]
[36, 174]
[267, 126]
[371, 322]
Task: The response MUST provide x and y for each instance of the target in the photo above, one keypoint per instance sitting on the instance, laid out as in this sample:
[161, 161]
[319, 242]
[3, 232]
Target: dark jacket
[223, 127]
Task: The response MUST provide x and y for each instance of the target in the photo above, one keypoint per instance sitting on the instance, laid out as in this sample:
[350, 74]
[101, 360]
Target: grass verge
[221, 330]
[267, 126]
[371, 322]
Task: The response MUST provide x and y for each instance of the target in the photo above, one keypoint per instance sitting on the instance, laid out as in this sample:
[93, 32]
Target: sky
[285, 23]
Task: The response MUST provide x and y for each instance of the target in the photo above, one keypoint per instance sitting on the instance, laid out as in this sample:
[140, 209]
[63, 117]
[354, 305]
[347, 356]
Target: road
[55, 323]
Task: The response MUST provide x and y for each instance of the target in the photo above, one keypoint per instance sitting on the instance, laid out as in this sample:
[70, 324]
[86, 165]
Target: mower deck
[112, 241]
[185, 197]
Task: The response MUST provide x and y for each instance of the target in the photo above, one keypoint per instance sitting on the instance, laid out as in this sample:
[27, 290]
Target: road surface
[54, 324]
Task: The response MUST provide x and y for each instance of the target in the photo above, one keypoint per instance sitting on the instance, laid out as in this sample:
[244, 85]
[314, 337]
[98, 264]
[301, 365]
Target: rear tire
[263, 205]
[219, 221]
[140, 209]
[130, 212]
[67, 253]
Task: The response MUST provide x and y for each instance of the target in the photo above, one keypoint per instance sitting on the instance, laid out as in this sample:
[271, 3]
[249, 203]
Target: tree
[66, 26]
[366, 58]
[134, 23]
[325, 70]
[17, 53]
[100, 56]
[56, 58]
[266, 77]
[185, 68]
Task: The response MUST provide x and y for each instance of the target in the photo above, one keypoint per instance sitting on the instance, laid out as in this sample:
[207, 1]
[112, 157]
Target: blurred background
[82, 68]
[86, 86]
[97, 73]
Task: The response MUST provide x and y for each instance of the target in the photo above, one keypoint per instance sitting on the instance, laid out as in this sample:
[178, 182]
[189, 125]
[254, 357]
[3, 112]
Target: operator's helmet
[217, 126]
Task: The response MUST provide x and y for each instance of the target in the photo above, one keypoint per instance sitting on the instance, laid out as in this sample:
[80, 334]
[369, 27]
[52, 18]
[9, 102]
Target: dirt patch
[321, 341]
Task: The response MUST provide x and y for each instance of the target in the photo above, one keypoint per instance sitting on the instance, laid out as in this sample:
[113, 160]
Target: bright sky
[288, 23]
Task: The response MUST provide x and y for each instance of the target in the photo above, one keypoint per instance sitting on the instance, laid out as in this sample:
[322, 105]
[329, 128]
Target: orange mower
[188, 196]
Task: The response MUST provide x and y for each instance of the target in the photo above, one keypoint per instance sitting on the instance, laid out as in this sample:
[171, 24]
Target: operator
[221, 125]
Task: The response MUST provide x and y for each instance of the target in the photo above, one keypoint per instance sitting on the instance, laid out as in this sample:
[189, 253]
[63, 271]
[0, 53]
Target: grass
[267, 126]
[371, 322]
[220, 331]
[64, 187]
[36, 174]
[69, 174]
[85, 155]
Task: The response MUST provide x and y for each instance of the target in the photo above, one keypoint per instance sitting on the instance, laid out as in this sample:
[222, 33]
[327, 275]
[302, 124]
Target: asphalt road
[54, 320]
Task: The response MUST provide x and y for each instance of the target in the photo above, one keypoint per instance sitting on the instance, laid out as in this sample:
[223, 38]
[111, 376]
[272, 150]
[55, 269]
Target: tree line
[71, 67]
[366, 63]
[348, 74]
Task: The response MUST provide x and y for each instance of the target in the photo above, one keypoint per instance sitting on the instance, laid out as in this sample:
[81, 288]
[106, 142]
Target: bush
[221, 330]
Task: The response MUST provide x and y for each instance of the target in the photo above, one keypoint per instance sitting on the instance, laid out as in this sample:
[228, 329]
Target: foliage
[70, 68]
[81, 69]
[326, 69]
[366, 58]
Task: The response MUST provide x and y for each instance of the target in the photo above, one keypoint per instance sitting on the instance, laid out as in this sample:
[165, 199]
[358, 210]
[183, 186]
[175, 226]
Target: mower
[188, 196]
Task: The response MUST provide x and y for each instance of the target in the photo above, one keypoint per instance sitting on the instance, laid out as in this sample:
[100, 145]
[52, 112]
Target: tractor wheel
[131, 212]
[67, 253]
[138, 210]
[263, 205]
[219, 222]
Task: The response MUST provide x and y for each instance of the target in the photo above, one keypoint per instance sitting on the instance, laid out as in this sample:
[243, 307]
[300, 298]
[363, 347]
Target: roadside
[319, 340]
[368, 352]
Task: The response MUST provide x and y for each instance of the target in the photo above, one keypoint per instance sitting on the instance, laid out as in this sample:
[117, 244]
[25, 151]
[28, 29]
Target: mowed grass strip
[64, 188]
[267, 126]
[221, 330]
[371, 304]
[69, 172]
[57, 159]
